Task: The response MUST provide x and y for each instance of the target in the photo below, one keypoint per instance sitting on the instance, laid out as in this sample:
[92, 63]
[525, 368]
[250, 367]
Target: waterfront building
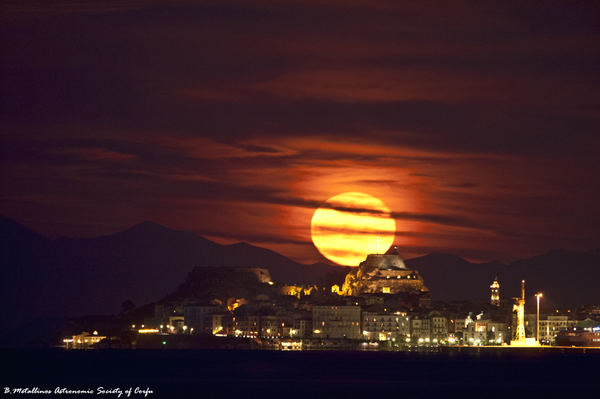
[246, 325]
[268, 326]
[337, 322]
[254, 325]
[439, 327]
[550, 327]
[460, 324]
[420, 328]
[85, 340]
[385, 325]
[486, 332]
[285, 323]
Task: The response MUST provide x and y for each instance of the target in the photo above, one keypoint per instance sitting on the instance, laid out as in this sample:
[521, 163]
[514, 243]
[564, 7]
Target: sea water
[306, 374]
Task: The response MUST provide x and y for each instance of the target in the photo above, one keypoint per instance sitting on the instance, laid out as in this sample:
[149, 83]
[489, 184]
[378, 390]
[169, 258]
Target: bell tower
[495, 292]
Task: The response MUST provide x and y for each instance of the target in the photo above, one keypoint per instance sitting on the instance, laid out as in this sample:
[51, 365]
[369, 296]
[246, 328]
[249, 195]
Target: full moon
[346, 227]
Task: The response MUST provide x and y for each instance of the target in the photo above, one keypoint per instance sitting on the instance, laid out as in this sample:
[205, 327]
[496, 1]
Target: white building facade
[550, 327]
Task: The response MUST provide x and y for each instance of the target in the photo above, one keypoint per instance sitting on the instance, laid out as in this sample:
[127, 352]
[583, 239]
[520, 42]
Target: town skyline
[475, 124]
[147, 260]
[174, 281]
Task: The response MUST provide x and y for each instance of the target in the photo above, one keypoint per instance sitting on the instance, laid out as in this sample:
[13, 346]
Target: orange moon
[345, 228]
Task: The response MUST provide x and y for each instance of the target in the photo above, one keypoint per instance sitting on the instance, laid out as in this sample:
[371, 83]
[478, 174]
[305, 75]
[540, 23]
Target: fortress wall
[262, 274]
[395, 273]
[396, 286]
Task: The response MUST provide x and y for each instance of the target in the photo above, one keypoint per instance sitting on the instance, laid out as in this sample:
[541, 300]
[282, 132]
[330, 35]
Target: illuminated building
[293, 290]
[337, 322]
[148, 331]
[291, 345]
[268, 326]
[222, 323]
[485, 332]
[428, 328]
[475, 334]
[296, 290]
[385, 325]
[550, 328]
[439, 327]
[383, 273]
[420, 328]
[233, 303]
[246, 325]
[495, 292]
[255, 325]
[85, 340]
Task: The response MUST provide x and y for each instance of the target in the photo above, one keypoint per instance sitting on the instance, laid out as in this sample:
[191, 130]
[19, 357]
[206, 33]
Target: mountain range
[565, 278]
[75, 276]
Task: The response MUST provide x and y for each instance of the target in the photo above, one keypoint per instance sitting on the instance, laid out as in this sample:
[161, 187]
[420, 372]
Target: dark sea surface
[318, 374]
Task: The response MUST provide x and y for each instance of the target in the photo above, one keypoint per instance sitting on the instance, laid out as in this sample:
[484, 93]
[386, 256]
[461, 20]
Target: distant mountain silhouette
[436, 258]
[14, 234]
[568, 279]
[79, 276]
[26, 270]
[72, 277]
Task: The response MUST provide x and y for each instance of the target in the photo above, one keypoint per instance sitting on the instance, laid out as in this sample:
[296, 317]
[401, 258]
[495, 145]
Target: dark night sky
[476, 123]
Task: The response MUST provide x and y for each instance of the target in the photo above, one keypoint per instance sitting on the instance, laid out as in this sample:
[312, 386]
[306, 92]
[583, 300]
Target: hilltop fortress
[383, 273]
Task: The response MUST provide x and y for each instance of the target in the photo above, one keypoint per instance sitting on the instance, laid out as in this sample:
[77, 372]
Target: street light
[538, 295]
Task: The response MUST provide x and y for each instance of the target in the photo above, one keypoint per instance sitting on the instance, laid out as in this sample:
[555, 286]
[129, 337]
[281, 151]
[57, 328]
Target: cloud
[81, 71]
[464, 119]
[98, 154]
[456, 221]
[377, 182]
[461, 185]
